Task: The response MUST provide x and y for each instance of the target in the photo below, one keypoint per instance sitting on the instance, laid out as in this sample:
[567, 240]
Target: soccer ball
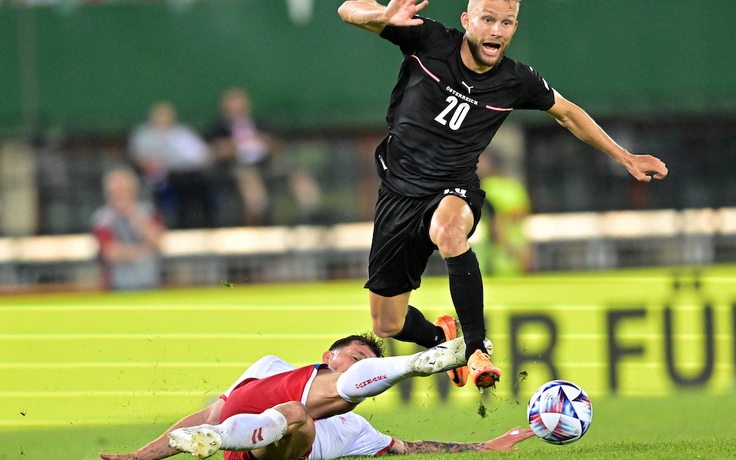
[559, 412]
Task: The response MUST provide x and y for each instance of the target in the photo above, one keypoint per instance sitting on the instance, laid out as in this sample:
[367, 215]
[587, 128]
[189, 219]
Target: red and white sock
[252, 431]
[372, 376]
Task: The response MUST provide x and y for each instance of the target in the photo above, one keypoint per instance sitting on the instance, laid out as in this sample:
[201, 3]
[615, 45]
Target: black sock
[466, 290]
[420, 331]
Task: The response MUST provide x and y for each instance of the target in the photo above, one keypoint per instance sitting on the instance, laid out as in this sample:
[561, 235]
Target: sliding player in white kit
[350, 435]
[254, 425]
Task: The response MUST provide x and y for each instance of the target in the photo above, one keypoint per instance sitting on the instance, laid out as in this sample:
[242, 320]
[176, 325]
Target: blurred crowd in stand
[176, 178]
[223, 177]
[167, 175]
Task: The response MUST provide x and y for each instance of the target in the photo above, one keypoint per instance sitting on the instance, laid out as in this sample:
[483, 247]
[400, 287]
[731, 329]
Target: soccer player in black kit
[454, 90]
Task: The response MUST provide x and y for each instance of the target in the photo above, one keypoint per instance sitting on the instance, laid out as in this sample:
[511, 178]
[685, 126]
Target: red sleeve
[105, 237]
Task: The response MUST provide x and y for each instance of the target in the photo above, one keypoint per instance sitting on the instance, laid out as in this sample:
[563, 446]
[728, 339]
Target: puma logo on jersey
[467, 86]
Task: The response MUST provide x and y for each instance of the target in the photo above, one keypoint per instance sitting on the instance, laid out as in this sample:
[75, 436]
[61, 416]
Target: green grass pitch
[84, 373]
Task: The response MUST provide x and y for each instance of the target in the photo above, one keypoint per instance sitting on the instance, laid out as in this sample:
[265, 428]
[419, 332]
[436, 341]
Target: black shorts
[401, 246]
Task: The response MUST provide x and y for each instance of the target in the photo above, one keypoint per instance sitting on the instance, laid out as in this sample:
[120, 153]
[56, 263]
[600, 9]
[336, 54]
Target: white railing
[571, 241]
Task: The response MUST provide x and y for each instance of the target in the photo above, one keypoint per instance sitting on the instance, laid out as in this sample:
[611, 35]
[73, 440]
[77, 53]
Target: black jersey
[443, 115]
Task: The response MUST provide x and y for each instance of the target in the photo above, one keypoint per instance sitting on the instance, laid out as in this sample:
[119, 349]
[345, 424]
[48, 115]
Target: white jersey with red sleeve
[346, 435]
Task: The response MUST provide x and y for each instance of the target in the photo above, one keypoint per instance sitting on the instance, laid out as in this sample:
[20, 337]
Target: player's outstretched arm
[159, 449]
[572, 117]
[507, 441]
[372, 16]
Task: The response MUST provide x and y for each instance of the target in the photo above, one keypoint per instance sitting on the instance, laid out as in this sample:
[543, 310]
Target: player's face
[341, 359]
[489, 26]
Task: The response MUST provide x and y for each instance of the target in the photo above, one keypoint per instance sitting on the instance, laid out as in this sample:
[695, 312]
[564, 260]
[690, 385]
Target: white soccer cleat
[200, 441]
[440, 358]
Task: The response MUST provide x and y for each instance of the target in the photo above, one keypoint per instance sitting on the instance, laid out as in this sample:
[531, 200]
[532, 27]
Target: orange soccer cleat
[482, 371]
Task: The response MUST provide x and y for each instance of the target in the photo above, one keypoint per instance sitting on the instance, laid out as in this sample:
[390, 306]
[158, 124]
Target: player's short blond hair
[518, 2]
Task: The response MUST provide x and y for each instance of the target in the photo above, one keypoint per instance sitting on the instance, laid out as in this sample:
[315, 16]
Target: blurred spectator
[128, 233]
[174, 159]
[508, 250]
[245, 168]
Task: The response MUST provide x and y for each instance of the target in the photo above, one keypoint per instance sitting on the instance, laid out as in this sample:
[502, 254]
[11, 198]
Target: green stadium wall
[98, 67]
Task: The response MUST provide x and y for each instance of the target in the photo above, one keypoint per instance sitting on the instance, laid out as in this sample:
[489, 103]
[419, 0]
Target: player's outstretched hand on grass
[508, 440]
